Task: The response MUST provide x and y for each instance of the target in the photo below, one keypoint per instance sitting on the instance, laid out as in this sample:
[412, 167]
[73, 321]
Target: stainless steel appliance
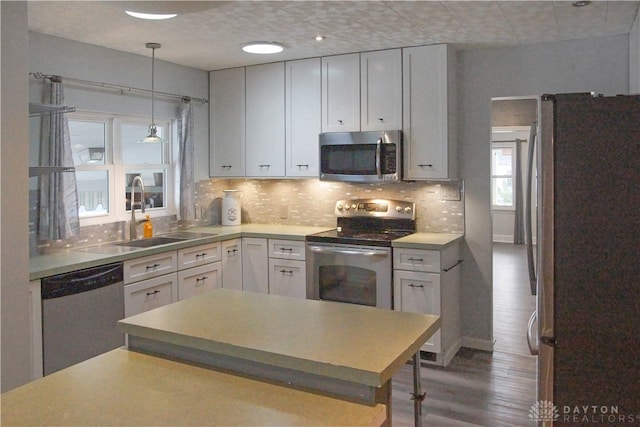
[361, 156]
[353, 263]
[588, 281]
[80, 311]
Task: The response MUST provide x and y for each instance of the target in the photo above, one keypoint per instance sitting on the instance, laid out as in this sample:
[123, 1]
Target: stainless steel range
[353, 263]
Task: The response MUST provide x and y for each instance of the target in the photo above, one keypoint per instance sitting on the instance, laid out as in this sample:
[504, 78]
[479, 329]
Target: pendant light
[153, 137]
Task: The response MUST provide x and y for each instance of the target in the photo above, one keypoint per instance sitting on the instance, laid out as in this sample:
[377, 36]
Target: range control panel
[381, 208]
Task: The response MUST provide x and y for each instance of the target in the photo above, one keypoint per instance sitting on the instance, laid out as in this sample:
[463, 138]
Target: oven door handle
[323, 250]
[379, 157]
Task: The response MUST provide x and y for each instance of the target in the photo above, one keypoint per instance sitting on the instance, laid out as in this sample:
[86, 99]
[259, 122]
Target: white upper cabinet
[341, 93]
[303, 117]
[429, 113]
[227, 121]
[381, 90]
[265, 135]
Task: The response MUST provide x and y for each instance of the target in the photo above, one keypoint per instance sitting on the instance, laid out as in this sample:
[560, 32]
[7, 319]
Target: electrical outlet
[284, 212]
[451, 194]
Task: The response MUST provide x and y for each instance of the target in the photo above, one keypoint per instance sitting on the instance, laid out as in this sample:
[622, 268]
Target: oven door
[349, 273]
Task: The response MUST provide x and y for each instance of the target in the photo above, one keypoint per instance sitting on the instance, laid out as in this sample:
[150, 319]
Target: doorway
[513, 304]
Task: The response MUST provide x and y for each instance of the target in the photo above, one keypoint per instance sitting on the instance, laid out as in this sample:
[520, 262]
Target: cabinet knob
[380, 119]
[340, 121]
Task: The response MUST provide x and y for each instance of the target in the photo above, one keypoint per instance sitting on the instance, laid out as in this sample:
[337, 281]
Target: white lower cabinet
[231, 253]
[428, 281]
[255, 265]
[287, 278]
[287, 268]
[197, 280]
[150, 282]
[148, 294]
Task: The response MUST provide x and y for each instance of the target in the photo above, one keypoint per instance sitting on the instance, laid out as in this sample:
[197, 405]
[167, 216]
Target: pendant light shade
[152, 137]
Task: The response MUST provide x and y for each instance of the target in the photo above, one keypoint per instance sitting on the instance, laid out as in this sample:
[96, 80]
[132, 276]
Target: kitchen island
[125, 388]
[342, 350]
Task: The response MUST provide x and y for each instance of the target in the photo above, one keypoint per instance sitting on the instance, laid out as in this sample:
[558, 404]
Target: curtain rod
[55, 78]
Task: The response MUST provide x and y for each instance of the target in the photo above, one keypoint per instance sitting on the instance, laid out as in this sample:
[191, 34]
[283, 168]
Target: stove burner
[362, 225]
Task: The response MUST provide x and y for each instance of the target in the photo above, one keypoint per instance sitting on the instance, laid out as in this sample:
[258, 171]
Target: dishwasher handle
[79, 281]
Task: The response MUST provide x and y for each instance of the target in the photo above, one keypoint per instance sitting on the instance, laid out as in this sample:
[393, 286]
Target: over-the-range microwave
[374, 156]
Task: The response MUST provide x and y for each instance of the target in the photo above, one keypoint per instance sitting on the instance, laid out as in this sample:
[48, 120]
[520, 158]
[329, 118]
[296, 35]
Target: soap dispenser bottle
[148, 228]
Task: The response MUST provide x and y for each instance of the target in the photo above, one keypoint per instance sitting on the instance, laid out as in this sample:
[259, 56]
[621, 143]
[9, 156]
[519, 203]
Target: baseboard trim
[477, 343]
[451, 352]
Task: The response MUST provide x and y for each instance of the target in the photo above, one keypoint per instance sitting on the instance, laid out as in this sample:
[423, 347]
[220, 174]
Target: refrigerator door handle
[528, 225]
[533, 346]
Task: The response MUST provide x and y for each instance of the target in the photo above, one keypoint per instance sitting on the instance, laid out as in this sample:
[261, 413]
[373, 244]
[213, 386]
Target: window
[502, 175]
[107, 158]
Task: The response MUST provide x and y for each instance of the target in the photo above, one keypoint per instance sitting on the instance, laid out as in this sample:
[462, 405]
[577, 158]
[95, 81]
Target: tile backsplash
[439, 205]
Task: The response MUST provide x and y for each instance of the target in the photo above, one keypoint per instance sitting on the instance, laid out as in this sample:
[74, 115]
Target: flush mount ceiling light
[319, 38]
[153, 137]
[263, 48]
[581, 3]
[151, 16]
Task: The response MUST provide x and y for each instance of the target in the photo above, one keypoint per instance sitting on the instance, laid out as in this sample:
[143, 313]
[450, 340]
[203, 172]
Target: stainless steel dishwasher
[80, 311]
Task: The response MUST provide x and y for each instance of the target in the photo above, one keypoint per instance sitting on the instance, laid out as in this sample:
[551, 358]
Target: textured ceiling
[208, 35]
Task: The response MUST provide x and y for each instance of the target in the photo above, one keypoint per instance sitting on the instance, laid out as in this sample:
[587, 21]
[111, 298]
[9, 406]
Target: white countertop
[365, 345]
[125, 388]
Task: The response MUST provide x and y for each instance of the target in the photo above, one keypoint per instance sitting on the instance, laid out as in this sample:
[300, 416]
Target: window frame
[494, 176]
[117, 170]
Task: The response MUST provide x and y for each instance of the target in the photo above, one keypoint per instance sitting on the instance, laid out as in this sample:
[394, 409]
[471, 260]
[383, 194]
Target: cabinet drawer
[197, 280]
[416, 260]
[198, 255]
[286, 249]
[150, 266]
[149, 294]
[287, 278]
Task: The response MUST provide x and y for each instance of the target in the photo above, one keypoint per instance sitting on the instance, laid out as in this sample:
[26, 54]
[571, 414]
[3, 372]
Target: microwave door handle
[378, 158]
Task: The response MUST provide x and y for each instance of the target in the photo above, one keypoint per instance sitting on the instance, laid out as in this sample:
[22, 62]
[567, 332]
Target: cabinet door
[255, 265]
[341, 93]
[198, 255]
[227, 121]
[381, 90]
[429, 113]
[303, 117]
[419, 293]
[197, 280]
[232, 264]
[287, 278]
[149, 294]
[150, 266]
[265, 120]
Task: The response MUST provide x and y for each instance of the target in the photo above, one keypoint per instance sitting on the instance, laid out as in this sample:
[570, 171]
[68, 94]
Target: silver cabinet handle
[533, 347]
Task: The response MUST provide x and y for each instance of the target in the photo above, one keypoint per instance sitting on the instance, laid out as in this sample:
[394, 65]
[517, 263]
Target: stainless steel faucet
[133, 234]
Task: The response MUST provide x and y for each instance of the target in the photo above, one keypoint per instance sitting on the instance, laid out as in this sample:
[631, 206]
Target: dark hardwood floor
[481, 388]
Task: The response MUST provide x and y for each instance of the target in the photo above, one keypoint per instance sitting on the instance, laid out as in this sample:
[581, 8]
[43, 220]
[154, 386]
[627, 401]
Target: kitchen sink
[150, 242]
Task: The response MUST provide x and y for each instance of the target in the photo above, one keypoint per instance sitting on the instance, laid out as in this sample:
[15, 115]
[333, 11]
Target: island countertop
[125, 388]
[348, 342]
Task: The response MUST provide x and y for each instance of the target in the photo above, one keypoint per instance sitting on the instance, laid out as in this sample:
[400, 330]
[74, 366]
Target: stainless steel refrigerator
[587, 259]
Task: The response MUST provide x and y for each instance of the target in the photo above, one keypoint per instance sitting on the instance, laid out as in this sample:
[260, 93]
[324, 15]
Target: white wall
[14, 252]
[634, 57]
[53, 55]
[600, 64]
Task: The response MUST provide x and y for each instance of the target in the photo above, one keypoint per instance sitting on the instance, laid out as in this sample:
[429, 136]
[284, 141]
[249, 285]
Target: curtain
[58, 205]
[185, 137]
[518, 228]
